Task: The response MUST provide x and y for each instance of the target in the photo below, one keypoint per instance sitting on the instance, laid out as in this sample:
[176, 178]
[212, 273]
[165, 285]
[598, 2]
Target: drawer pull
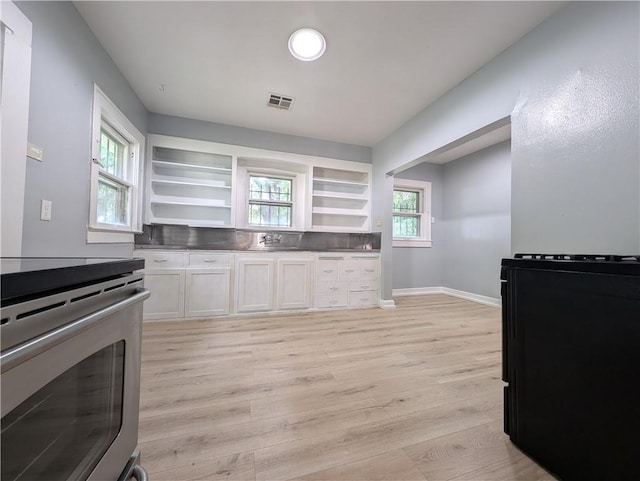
[369, 270]
[349, 270]
[159, 260]
[209, 261]
[364, 287]
[328, 271]
[333, 288]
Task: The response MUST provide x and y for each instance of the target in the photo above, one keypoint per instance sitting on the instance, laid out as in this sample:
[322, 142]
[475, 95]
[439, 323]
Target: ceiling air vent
[280, 101]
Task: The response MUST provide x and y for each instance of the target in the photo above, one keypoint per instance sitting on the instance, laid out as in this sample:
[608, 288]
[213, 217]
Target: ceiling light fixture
[307, 44]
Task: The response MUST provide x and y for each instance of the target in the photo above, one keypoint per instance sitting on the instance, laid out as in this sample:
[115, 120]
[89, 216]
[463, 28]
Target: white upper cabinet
[340, 199]
[189, 183]
[205, 184]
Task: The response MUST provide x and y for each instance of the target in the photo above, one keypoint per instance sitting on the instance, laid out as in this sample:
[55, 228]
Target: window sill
[411, 243]
[109, 237]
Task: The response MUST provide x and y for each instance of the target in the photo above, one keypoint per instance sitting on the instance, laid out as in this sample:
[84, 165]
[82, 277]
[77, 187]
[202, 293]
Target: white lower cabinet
[268, 282]
[347, 280]
[207, 292]
[167, 293]
[294, 283]
[197, 284]
[186, 284]
[254, 283]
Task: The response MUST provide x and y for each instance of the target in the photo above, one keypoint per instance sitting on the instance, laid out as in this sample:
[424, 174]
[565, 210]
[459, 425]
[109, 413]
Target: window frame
[289, 203]
[423, 189]
[106, 113]
[243, 195]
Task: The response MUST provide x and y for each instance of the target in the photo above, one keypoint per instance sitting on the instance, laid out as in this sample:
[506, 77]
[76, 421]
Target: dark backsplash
[162, 236]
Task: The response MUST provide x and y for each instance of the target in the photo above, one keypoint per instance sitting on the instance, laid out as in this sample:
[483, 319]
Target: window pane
[406, 226]
[270, 215]
[269, 188]
[112, 154]
[112, 202]
[404, 201]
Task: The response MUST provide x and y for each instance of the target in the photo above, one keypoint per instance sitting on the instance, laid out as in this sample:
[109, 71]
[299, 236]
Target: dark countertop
[589, 263]
[29, 277]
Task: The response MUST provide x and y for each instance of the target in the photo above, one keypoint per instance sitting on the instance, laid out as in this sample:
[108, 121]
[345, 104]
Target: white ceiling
[385, 61]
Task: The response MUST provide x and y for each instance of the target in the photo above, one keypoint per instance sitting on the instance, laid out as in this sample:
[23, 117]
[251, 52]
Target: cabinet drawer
[331, 300]
[369, 268]
[350, 270]
[332, 287]
[209, 259]
[363, 299]
[328, 270]
[363, 285]
[162, 260]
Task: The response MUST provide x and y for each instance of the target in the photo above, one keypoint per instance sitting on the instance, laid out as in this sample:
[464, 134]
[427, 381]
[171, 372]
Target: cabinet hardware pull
[369, 270]
[328, 270]
[159, 260]
[210, 260]
[349, 270]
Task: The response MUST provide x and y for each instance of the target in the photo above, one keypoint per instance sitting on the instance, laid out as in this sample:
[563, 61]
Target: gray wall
[471, 203]
[260, 139]
[476, 218]
[422, 266]
[571, 89]
[66, 60]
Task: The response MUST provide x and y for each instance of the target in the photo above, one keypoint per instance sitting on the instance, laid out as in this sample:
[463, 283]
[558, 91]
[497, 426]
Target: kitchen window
[116, 152]
[270, 201]
[411, 213]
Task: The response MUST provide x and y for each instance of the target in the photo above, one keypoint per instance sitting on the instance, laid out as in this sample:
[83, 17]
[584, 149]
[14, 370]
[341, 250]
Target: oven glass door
[62, 431]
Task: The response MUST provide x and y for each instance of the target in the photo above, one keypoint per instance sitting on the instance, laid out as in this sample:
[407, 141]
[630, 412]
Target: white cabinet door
[254, 284]
[167, 294]
[294, 283]
[207, 292]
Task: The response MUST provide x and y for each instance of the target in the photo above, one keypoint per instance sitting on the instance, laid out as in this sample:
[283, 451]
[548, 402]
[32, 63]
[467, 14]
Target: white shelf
[336, 195]
[174, 200]
[158, 179]
[340, 199]
[341, 212]
[189, 183]
[182, 167]
[325, 180]
[191, 223]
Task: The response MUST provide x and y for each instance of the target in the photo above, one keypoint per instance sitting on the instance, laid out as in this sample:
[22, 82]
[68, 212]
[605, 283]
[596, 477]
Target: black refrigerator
[571, 358]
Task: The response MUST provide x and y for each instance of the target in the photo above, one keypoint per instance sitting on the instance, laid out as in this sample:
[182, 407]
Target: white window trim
[424, 209]
[106, 233]
[297, 210]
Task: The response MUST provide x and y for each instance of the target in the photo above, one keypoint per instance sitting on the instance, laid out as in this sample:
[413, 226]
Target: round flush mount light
[307, 44]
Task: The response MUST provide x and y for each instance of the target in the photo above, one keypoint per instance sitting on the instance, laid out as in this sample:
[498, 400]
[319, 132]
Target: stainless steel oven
[70, 365]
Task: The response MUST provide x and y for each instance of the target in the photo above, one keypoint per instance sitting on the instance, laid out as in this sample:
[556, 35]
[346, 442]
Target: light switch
[45, 209]
[378, 222]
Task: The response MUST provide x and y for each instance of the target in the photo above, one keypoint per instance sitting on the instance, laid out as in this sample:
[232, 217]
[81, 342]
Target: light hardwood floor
[412, 393]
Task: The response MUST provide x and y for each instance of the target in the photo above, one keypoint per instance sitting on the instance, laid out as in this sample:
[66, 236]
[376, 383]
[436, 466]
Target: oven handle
[28, 350]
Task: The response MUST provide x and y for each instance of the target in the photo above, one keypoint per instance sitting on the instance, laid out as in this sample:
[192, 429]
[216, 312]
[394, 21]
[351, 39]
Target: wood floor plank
[330, 450]
[391, 466]
[209, 418]
[237, 467]
[372, 394]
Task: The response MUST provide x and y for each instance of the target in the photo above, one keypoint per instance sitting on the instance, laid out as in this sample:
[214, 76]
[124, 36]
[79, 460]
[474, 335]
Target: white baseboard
[417, 291]
[469, 296]
[387, 304]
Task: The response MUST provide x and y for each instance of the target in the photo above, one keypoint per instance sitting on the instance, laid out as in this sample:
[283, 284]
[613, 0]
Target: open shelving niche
[189, 183]
[340, 199]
